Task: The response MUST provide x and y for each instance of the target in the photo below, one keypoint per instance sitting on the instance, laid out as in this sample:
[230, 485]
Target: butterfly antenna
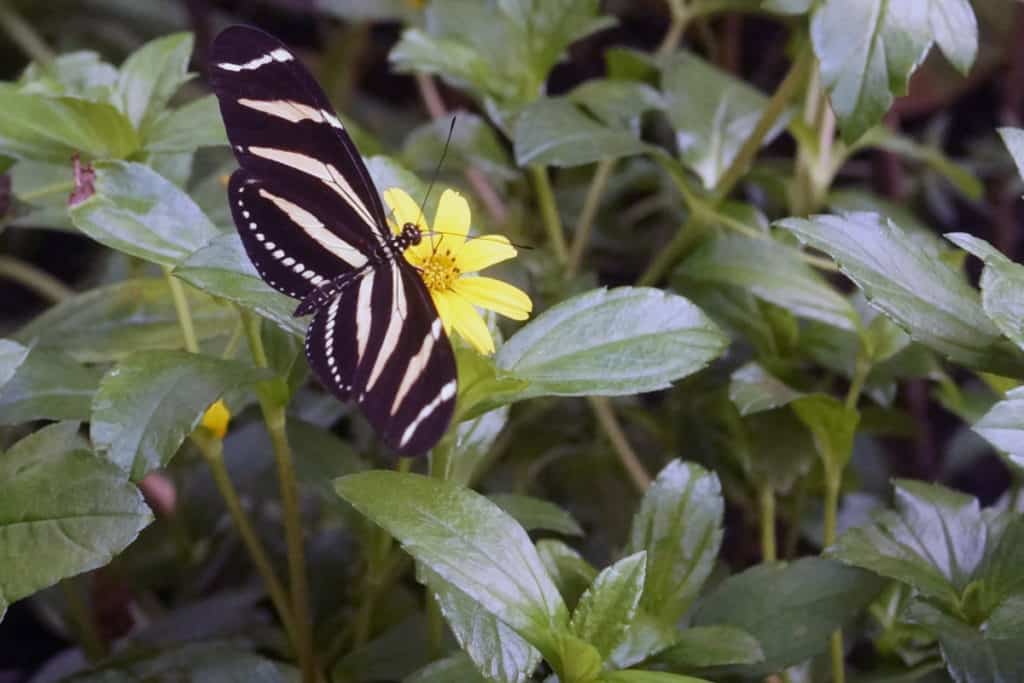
[437, 169]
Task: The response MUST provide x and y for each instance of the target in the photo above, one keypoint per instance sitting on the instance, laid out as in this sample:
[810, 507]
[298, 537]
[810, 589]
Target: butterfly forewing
[308, 215]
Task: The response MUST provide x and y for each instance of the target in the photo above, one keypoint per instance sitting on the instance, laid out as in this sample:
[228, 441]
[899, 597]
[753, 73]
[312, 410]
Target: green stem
[213, 453]
[602, 408]
[676, 28]
[83, 623]
[188, 330]
[45, 191]
[272, 403]
[766, 501]
[590, 206]
[549, 211]
[23, 35]
[687, 234]
[30, 277]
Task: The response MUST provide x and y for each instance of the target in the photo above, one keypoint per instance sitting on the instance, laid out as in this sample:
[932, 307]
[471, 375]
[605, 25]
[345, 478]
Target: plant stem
[602, 408]
[36, 279]
[271, 403]
[213, 453]
[677, 26]
[590, 205]
[686, 235]
[188, 330]
[766, 500]
[549, 211]
[82, 619]
[64, 186]
[23, 35]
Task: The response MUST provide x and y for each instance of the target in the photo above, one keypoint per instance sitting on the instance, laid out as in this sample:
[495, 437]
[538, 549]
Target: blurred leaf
[152, 400]
[554, 132]
[919, 292]
[1001, 286]
[63, 512]
[47, 385]
[151, 75]
[1003, 426]
[1001, 594]
[83, 75]
[712, 113]
[570, 572]
[535, 513]
[455, 668]
[700, 647]
[196, 663]
[107, 323]
[1013, 138]
[753, 390]
[468, 541]
[788, 6]
[679, 524]
[12, 355]
[197, 124]
[867, 50]
[606, 609]
[832, 425]
[611, 342]
[934, 540]
[638, 676]
[368, 10]
[473, 144]
[139, 212]
[955, 31]
[791, 609]
[617, 103]
[773, 272]
[398, 652]
[960, 177]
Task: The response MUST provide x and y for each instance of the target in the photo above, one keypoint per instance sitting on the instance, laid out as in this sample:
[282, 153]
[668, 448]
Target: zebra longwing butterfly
[313, 224]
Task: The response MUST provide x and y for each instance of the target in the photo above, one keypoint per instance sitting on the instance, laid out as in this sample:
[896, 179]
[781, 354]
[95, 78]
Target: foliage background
[635, 160]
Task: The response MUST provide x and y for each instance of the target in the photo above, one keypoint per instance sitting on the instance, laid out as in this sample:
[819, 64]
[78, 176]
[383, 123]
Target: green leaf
[1013, 138]
[139, 212]
[570, 572]
[646, 636]
[483, 386]
[151, 75]
[47, 385]
[107, 323]
[955, 31]
[1001, 286]
[197, 124]
[867, 50]
[53, 129]
[1002, 581]
[474, 143]
[933, 541]
[616, 102]
[469, 542]
[197, 663]
[12, 355]
[152, 400]
[679, 524]
[919, 292]
[791, 609]
[1003, 426]
[534, 513]
[960, 177]
[606, 609]
[638, 676]
[223, 269]
[64, 511]
[83, 75]
[787, 6]
[833, 427]
[712, 113]
[455, 668]
[771, 271]
[555, 132]
[612, 342]
[701, 647]
[753, 390]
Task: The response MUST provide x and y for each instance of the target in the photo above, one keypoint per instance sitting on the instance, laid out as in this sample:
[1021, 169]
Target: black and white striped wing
[381, 342]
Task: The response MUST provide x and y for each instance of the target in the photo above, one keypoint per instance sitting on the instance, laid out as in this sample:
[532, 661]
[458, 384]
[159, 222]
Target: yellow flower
[216, 419]
[444, 258]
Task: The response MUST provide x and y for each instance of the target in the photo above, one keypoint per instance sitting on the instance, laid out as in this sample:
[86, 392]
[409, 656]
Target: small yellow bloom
[216, 419]
[444, 258]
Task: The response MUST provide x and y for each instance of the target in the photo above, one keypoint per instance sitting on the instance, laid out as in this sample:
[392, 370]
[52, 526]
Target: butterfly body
[312, 222]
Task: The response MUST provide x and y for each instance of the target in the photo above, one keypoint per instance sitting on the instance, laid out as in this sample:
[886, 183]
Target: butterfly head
[411, 236]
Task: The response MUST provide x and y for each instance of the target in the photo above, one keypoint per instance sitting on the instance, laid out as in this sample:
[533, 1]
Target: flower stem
[677, 26]
[23, 35]
[188, 330]
[588, 214]
[549, 211]
[36, 279]
[272, 404]
[602, 408]
[766, 500]
[82, 619]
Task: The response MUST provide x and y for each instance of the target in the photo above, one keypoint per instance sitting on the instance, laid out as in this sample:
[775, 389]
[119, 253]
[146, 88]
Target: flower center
[439, 271]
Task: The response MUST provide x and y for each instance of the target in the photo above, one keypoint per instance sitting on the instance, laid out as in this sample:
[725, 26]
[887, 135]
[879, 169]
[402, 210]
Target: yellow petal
[495, 295]
[216, 419]
[404, 209]
[470, 326]
[482, 252]
[444, 311]
[451, 220]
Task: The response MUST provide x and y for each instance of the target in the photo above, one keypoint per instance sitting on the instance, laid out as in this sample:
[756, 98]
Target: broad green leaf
[152, 400]
[83, 75]
[647, 636]
[455, 668]
[535, 513]
[1003, 426]
[638, 676]
[210, 662]
[612, 342]
[469, 542]
[482, 385]
[1013, 138]
[223, 269]
[606, 609]
[197, 124]
[700, 647]
[616, 102]
[151, 75]
[833, 427]
[567, 568]
[12, 355]
[753, 390]
[47, 385]
[139, 212]
[1002, 295]
[791, 609]
[679, 524]
[778, 448]
[922, 294]
[867, 50]
[107, 323]
[771, 271]
[934, 540]
[712, 113]
[63, 512]
[53, 129]
[1001, 579]
[553, 131]
[955, 31]
[474, 143]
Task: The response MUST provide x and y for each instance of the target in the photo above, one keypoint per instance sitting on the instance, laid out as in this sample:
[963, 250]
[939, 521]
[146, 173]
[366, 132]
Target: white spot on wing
[312, 226]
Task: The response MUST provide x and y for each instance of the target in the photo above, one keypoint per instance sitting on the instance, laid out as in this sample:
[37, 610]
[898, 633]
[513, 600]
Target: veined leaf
[536, 513]
[753, 389]
[606, 609]
[197, 124]
[1003, 426]
[47, 385]
[151, 75]
[53, 129]
[1002, 286]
